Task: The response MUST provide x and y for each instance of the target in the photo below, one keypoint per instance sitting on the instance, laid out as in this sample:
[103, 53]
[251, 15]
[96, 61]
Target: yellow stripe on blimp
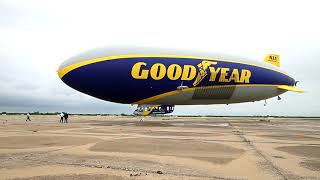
[65, 70]
[157, 97]
[290, 88]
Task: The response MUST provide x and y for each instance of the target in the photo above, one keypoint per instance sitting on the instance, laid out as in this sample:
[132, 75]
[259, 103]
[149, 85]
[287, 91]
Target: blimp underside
[164, 80]
[221, 95]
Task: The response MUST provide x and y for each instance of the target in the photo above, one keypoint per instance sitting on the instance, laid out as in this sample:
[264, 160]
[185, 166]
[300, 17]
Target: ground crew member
[66, 117]
[28, 117]
[61, 117]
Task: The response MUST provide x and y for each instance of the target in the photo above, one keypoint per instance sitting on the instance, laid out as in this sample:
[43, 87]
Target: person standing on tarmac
[28, 117]
[61, 117]
[65, 117]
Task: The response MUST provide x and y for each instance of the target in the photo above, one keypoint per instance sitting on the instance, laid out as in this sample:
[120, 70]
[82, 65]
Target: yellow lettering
[245, 76]
[174, 72]
[189, 72]
[158, 71]
[223, 74]
[234, 76]
[137, 73]
[214, 72]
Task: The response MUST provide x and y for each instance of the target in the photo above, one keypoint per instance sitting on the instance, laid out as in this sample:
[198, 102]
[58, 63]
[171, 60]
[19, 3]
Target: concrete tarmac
[120, 147]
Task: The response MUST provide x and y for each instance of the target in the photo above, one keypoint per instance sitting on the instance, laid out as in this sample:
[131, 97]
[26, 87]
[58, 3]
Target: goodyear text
[189, 72]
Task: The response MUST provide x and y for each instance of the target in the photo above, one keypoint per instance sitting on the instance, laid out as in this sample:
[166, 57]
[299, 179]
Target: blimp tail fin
[273, 59]
[290, 88]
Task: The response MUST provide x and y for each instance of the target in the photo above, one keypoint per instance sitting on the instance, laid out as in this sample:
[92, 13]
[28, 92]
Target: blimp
[156, 80]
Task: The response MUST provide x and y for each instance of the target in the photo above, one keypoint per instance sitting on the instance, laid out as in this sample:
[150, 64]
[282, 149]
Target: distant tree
[35, 113]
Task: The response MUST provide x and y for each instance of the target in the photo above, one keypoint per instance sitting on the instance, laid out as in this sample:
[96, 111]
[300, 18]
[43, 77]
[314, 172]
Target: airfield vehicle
[157, 80]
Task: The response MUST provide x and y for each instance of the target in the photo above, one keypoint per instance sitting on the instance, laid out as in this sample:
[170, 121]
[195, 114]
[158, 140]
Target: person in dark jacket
[65, 115]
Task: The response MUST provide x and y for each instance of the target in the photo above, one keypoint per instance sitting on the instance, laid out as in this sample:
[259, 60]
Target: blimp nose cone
[60, 72]
[99, 78]
[65, 67]
[67, 71]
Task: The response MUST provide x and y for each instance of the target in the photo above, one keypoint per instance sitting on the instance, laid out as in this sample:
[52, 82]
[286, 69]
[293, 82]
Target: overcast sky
[37, 36]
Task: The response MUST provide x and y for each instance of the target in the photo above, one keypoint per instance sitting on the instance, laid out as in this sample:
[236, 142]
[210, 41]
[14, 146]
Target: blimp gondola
[158, 79]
